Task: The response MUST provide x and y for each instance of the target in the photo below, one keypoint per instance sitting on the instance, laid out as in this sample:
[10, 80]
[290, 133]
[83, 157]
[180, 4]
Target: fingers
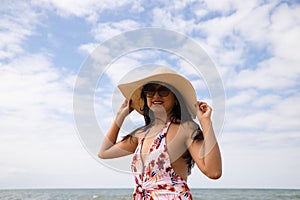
[125, 102]
[202, 106]
[127, 105]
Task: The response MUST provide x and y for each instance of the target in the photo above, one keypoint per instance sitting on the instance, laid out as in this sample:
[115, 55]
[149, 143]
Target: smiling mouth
[157, 102]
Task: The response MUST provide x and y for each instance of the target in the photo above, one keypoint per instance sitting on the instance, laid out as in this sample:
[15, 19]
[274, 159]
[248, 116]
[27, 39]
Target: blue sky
[43, 44]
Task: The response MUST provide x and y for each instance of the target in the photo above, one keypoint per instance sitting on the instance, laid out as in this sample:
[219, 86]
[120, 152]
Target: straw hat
[132, 90]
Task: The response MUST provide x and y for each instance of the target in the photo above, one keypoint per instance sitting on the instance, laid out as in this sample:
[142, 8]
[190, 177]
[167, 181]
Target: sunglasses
[150, 90]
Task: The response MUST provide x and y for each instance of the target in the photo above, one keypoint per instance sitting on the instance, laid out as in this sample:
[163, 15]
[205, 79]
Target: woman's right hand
[124, 110]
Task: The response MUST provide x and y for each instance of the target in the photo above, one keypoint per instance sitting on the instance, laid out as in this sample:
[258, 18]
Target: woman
[169, 144]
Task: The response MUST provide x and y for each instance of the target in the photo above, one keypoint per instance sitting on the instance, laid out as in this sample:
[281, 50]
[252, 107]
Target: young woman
[169, 144]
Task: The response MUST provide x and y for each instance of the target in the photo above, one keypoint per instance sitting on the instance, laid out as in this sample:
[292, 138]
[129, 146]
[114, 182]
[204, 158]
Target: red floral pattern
[156, 179]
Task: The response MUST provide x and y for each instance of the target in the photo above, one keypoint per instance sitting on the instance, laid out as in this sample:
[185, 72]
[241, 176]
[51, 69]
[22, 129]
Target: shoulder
[139, 133]
[188, 126]
[135, 135]
[185, 129]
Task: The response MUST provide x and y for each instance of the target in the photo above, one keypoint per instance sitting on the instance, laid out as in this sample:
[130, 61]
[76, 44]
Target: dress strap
[166, 128]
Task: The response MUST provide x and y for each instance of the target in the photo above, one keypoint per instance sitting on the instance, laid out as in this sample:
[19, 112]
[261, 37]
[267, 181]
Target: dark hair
[180, 114]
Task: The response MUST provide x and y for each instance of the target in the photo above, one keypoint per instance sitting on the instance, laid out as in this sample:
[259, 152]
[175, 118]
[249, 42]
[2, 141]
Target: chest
[169, 141]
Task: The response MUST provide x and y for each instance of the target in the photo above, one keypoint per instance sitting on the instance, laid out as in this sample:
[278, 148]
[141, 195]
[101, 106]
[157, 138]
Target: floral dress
[156, 179]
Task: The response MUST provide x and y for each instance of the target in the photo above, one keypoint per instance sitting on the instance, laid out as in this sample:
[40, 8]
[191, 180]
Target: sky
[44, 45]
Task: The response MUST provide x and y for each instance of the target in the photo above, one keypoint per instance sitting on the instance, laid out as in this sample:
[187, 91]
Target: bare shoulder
[188, 128]
[188, 125]
[182, 131]
[137, 135]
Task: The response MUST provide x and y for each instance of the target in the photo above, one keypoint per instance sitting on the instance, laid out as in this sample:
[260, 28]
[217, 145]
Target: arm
[206, 153]
[109, 147]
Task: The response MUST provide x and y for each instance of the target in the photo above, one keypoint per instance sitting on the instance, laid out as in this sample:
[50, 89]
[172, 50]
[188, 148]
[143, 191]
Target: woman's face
[159, 98]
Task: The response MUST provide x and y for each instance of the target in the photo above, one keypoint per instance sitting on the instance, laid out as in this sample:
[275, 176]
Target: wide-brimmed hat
[132, 89]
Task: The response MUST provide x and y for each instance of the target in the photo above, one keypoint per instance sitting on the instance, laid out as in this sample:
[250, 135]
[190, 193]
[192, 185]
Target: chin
[158, 109]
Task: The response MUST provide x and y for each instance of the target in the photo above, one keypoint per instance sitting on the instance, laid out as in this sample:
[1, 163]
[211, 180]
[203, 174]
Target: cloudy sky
[254, 46]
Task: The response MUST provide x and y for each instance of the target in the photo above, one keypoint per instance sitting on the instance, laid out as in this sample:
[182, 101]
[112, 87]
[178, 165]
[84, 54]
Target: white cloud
[89, 9]
[224, 6]
[36, 125]
[32, 81]
[120, 68]
[263, 114]
[18, 21]
[243, 98]
[262, 26]
[254, 24]
[104, 31]
[244, 165]
[284, 31]
[164, 18]
[275, 73]
[87, 49]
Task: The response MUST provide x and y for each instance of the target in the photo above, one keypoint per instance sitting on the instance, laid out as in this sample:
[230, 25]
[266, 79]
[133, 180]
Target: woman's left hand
[203, 111]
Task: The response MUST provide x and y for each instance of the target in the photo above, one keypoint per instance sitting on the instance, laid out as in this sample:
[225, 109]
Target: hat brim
[132, 90]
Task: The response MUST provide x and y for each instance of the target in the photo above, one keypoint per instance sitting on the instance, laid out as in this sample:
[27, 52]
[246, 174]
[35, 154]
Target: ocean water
[125, 194]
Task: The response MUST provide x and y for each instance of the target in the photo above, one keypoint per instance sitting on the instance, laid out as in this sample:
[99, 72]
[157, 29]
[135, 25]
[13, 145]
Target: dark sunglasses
[150, 90]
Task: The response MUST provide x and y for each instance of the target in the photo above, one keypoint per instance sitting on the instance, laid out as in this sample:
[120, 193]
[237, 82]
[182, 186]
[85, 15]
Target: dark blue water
[125, 194]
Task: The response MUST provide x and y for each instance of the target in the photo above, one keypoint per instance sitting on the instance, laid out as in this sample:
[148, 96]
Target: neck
[161, 120]
[158, 121]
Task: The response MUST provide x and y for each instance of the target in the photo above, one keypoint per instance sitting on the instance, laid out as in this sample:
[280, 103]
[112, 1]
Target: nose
[156, 94]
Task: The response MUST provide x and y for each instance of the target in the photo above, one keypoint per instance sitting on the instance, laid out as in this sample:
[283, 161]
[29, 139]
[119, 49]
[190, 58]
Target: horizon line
[131, 188]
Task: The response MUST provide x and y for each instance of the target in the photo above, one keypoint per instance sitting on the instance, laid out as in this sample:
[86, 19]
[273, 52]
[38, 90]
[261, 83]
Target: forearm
[109, 147]
[210, 151]
[110, 138]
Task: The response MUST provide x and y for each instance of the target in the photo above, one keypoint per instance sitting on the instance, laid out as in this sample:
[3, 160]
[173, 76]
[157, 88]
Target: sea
[125, 194]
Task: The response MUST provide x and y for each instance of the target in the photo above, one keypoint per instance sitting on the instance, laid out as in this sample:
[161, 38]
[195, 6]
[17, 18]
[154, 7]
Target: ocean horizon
[126, 194]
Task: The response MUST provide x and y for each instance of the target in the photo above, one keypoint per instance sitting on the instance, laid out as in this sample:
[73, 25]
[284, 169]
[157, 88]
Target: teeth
[157, 102]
